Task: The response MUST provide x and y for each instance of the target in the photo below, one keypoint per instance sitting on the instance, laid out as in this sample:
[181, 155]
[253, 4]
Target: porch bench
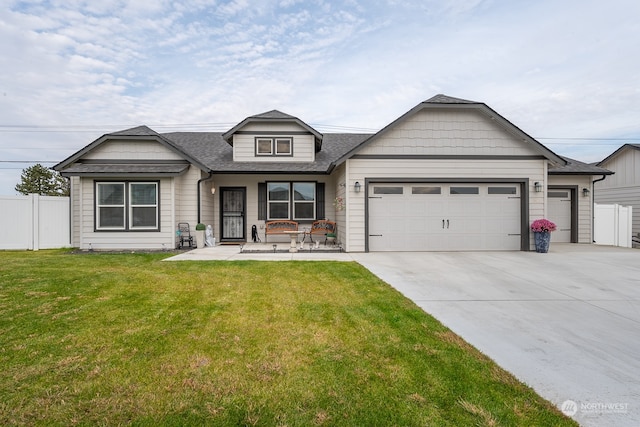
[279, 227]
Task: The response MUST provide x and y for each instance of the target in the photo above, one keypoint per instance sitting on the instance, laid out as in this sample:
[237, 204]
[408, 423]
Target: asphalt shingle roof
[576, 167]
[212, 150]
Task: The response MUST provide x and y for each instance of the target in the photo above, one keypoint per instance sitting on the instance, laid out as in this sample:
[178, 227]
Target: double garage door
[444, 217]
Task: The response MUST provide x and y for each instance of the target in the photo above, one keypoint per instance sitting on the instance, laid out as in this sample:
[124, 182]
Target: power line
[27, 161]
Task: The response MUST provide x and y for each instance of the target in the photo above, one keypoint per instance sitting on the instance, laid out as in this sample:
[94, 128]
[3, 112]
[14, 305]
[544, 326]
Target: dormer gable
[273, 136]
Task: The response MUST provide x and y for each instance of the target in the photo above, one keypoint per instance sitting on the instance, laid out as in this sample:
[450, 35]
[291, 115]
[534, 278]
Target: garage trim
[524, 199]
[573, 189]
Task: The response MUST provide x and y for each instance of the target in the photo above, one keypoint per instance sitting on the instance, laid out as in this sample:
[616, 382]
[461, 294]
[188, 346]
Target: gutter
[200, 181]
[593, 207]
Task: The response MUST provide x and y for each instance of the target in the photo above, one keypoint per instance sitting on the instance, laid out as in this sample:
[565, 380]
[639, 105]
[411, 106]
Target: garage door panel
[459, 217]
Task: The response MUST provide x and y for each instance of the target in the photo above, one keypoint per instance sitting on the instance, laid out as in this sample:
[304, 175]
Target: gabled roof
[444, 101]
[576, 167]
[618, 151]
[273, 116]
[139, 133]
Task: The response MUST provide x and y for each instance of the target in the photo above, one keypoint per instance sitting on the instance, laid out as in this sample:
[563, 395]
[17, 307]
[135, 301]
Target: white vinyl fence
[612, 225]
[34, 222]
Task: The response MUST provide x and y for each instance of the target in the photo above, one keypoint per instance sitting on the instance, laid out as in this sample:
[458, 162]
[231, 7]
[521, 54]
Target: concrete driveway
[567, 323]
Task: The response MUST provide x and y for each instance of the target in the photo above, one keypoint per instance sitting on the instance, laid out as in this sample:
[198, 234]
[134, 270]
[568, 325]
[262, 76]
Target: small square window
[283, 146]
[264, 147]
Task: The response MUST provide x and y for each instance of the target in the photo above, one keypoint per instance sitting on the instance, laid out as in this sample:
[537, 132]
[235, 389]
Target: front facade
[623, 188]
[448, 175]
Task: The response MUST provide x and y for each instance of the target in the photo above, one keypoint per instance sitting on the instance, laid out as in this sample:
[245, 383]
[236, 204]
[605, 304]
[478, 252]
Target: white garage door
[559, 209]
[444, 217]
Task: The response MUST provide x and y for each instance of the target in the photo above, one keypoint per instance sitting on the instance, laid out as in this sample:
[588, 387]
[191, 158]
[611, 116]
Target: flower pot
[542, 239]
[200, 239]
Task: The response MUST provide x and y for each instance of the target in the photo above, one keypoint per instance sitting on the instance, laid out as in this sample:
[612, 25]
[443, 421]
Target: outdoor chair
[184, 235]
[323, 228]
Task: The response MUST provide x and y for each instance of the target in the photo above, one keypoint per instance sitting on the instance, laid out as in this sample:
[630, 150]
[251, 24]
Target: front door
[232, 202]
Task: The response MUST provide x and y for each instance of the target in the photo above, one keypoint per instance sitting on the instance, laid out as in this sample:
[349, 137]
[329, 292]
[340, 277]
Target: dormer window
[274, 146]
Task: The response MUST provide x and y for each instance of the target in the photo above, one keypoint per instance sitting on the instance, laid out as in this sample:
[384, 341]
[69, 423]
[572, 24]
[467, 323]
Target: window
[558, 194]
[110, 208]
[304, 200]
[264, 147]
[426, 190]
[278, 200]
[502, 190]
[387, 190]
[127, 206]
[295, 200]
[283, 146]
[274, 146]
[143, 205]
[464, 190]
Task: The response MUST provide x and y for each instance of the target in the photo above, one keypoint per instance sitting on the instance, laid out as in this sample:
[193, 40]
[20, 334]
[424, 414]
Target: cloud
[348, 63]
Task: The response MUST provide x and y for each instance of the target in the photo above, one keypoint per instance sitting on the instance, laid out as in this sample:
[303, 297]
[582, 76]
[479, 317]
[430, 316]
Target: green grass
[125, 339]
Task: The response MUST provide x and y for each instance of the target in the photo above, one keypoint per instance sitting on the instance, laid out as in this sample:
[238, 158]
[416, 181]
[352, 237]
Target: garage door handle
[447, 224]
[443, 224]
[375, 235]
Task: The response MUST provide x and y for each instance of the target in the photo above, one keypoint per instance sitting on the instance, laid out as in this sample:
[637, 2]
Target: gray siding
[585, 204]
[132, 150]
[623, 187]
[448, 132]
[626, 196]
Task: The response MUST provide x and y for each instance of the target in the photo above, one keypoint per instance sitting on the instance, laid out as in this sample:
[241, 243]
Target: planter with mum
[542, 229]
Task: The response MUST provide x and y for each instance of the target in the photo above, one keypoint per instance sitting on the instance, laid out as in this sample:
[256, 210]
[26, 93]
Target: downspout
[593, 206]
[200, 181]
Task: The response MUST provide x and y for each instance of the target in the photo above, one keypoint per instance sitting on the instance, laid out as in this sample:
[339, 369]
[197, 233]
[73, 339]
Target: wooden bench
[279, 227]
[322, 227]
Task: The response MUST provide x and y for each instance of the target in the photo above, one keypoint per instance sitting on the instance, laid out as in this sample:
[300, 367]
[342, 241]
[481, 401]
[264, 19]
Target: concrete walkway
[232, 253]
[567, 323]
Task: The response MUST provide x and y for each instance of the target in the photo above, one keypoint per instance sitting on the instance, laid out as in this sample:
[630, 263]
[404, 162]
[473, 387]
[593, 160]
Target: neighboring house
[450, 174]
[624, 187]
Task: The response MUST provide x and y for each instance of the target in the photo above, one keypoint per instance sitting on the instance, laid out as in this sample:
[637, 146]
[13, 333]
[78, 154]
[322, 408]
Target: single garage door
[559, 205]
[444, 217]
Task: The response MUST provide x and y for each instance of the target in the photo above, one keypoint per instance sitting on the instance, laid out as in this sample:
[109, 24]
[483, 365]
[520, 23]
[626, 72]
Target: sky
[566, 72]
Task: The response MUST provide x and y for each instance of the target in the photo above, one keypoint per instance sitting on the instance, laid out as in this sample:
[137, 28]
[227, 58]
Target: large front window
[127, 206]
[291, 200]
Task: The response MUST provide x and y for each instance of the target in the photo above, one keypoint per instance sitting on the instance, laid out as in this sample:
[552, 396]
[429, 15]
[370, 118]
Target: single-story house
[448, 175]
[622, 188]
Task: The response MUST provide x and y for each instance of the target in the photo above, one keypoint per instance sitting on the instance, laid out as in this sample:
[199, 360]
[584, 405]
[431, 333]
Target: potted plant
[331, 238]
[200, 228]
[542, 229]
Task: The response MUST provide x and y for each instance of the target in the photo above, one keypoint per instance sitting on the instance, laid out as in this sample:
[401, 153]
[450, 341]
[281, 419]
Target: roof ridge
[446, 99]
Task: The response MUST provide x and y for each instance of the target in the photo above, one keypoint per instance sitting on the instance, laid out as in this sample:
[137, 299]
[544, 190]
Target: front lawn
[125, 339]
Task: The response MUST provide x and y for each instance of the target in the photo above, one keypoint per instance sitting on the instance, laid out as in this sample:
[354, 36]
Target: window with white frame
[304, 200]
[278, 200]
[291, 200]
[127, 206]
[274, 146]
[264, 146]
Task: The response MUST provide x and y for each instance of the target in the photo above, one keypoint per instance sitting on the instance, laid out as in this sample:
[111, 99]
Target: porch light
[356, 187]
[537, 186]
[585, 192]
[213, 190]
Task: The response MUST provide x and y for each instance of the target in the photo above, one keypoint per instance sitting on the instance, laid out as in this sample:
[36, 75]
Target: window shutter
[262, 201]
[320, 212]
